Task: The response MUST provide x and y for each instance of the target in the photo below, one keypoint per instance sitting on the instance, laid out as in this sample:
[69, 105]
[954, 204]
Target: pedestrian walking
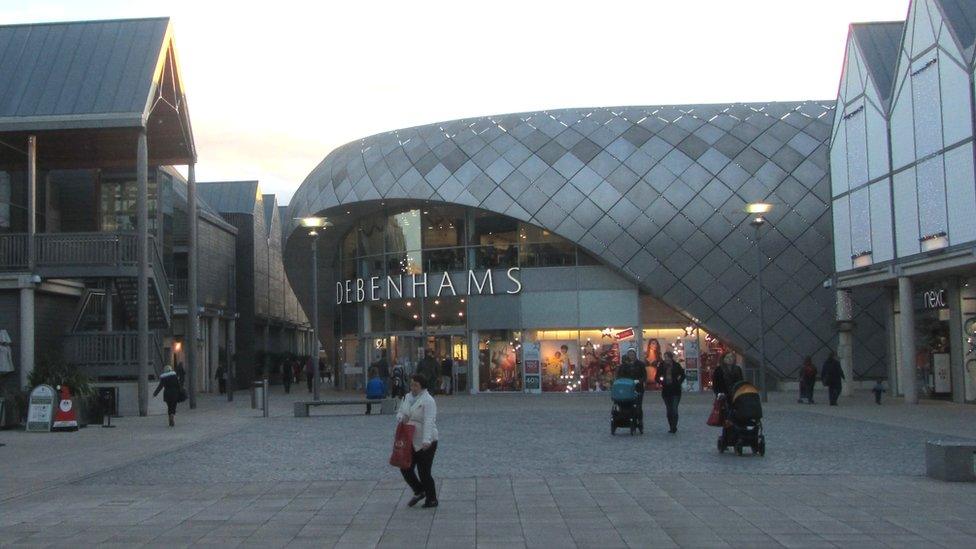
[375, 389]
[878, 390]
[808, 378]
[428, 366]
[286, 373]
[398, 381]
[633, 368]
[726, 375]
[447, 375]
[832, 376]
[169, 384]
[420, 410]
[221, 378]
[309, 373]
[670, 376]
[181, 373]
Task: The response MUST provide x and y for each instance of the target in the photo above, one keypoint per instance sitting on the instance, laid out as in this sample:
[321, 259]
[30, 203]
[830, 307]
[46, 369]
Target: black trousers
[308, 381]
[423, 460]
[171, 407]
[833, 392]
[671, 403]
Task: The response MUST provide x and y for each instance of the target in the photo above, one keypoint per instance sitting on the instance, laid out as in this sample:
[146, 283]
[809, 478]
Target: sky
[273, 87]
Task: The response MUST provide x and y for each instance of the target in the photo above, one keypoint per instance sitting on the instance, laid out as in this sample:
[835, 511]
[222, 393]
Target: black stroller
[743, 420]
[628, 406]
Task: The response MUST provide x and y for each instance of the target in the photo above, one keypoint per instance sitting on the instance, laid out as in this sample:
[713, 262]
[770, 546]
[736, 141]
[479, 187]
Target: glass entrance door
[451, 352]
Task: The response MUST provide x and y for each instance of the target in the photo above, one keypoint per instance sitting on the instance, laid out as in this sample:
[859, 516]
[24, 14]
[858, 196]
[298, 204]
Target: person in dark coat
[221, 379]
[632, 368]
[726, 375]
[447, 375]
[428, 366]
[832, 376]
[286, 376]
[808, 378]
[169, 384]
[382, 367]
[670, 376]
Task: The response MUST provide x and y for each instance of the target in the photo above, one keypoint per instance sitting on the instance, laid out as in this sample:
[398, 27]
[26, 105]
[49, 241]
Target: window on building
[496, 241]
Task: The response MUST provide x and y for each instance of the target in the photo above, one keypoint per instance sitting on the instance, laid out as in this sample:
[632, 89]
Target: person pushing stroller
[629, 411]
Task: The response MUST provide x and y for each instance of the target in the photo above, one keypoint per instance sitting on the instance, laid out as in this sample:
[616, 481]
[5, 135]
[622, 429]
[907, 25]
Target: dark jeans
[671, 403]
[423, 460]
[171, 407]
[308, 381]
[369, 405]
[806, 391]
[832, 393]
[877, 397]
[222, 385]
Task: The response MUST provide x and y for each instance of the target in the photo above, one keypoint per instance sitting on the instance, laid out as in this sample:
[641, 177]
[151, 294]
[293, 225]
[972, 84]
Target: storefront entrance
[450, 350]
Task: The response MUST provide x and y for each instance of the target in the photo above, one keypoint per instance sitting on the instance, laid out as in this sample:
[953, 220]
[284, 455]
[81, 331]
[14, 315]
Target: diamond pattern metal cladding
[673, 179]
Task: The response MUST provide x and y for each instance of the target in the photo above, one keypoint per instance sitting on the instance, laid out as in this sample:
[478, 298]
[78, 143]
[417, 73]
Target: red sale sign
[624, 334]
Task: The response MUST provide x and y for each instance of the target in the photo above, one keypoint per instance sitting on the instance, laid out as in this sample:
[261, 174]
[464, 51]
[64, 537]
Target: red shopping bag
[715, 419]
[402, 456]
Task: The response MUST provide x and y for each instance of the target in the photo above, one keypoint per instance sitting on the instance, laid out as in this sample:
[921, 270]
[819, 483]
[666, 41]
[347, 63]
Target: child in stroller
[743, 420]
[628, 406]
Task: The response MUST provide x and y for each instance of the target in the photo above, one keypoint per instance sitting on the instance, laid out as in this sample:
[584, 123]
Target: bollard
[264, 396]
[254, 400]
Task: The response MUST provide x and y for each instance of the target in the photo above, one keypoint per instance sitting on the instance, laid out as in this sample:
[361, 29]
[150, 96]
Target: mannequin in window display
[652, 358]
[590, 366]
[565, 366]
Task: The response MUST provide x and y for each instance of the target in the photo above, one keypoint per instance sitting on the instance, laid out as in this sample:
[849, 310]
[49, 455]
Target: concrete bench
[386, 405]
[952, 461]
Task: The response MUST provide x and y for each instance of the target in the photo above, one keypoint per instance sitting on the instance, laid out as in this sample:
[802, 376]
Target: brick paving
[513, 471]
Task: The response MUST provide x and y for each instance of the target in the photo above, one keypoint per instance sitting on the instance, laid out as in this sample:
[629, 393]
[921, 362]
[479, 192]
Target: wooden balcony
[111, 354]
[89, 255]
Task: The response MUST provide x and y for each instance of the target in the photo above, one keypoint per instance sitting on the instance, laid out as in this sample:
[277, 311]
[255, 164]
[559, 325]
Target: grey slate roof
[961, 17]
[205, 210]
[879, 44]
[229, 197]
[270, 202]
[78, 74]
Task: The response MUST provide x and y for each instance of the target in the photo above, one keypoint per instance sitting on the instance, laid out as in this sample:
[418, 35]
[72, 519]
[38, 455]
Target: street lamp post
[758, 209]
[314, 224]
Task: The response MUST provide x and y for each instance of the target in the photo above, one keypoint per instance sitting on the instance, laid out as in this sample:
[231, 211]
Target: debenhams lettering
[415, 285]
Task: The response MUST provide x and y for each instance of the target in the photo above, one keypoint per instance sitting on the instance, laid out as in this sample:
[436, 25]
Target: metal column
[27, 293]
[215, 344]
[906, 337]
[142, 309]
[315, 318]
[762, 319]
[231, 351]
[192, 308]
[26, 334]
[845, 339]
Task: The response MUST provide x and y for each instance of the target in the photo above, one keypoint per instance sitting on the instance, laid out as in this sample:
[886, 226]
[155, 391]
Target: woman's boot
[172, 420]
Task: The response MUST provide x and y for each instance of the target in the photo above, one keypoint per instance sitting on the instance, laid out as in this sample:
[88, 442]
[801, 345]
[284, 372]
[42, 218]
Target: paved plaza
[513, 471]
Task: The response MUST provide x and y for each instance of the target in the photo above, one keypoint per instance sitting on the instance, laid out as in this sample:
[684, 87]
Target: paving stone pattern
[513, 471]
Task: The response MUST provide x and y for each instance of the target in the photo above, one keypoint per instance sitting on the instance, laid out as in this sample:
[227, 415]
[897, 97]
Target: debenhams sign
[415, 286]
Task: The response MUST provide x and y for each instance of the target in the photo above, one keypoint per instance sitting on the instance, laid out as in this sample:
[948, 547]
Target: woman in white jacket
[420, 410]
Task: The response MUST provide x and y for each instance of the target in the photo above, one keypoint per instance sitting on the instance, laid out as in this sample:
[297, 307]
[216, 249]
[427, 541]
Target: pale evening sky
[274, 86]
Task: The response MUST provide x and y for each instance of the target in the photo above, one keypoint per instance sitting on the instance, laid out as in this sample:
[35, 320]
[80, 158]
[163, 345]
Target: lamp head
[758, 221]
[758, 208]
[314, 222]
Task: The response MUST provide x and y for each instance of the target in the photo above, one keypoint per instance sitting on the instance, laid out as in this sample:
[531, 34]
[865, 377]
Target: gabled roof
[879, 44]
[270, 202]
[960, 15]
[231, 197]
[90, 70]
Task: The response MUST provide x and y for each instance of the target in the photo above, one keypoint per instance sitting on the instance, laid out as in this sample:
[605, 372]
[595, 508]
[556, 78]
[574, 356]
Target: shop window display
[499, 363]
[561, 370]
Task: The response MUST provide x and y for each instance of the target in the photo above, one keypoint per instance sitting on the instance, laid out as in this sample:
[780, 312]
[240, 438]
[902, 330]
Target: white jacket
[421, 412]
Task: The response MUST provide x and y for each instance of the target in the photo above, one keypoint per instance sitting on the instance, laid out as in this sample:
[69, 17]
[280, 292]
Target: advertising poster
[531, 360]
[940, 370]
[599, 361]
[692, 364]
[560, 365]
[503, 366]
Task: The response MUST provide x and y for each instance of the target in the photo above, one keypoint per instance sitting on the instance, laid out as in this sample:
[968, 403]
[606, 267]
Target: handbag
[715, 418]
[402, 456]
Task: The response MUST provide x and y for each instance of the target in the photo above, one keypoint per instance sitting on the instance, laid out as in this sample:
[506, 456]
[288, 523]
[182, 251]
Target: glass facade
[446, 238]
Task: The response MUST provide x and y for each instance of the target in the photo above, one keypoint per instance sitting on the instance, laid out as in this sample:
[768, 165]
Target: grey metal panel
[499, 312]
[879, 44]
[961, 17]
[548, 279]
[549, 309]
[230, 196]
[601, 308]
[78, 69]
[697, 212]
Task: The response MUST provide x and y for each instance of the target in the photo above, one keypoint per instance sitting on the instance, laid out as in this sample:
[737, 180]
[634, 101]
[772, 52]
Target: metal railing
[117, 351]
[181, 291]
[13, 252]
[159, 274]
[86, 249]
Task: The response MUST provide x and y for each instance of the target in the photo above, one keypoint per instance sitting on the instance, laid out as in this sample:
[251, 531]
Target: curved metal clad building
[655, 193]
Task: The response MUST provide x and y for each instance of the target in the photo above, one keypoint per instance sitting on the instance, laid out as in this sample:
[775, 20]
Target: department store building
[534, 249]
